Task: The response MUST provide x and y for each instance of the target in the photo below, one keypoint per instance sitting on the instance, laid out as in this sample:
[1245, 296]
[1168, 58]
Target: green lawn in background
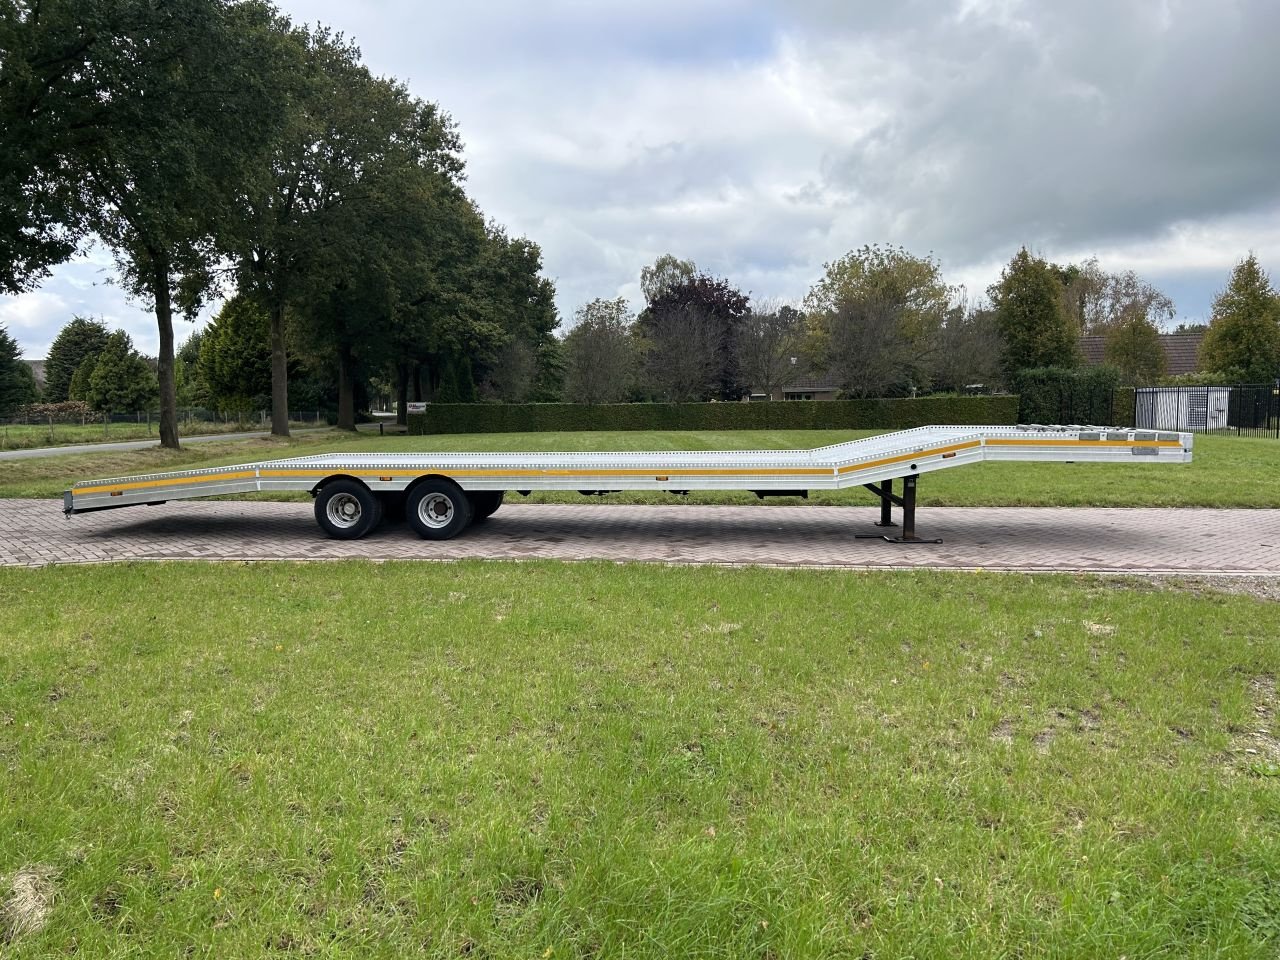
[594, 760]
[1226, 471]
[21, 436]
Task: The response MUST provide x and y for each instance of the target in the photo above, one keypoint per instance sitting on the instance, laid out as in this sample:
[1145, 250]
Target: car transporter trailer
[442, 493]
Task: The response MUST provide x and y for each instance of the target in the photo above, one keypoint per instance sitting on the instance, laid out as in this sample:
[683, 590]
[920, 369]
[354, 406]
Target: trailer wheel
[347, 509]
[438, 509]
[484, 503]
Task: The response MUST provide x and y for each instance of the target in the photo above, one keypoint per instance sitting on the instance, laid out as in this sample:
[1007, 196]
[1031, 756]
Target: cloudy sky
[765, 139]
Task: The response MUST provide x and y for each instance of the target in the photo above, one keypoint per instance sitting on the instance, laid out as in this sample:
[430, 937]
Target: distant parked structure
[822, 387]
[1181, 352]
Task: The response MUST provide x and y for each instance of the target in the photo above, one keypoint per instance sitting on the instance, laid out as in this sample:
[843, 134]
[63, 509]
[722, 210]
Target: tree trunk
[279, 375]
[346, 391]
[402, 394]
[168, 388]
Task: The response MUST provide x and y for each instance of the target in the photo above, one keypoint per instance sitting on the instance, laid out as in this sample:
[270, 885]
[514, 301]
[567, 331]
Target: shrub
[787, 415]
[1061, 395]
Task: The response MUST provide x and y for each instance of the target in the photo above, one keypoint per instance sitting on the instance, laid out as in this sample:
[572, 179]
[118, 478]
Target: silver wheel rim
[435, 510]
[344, 510]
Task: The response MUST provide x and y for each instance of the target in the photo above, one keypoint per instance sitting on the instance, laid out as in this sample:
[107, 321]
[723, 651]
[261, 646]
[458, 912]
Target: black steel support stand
[908, 504]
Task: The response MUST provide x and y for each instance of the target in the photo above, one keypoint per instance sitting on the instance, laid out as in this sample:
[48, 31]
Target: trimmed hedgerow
[1062, 395]
[887, 414]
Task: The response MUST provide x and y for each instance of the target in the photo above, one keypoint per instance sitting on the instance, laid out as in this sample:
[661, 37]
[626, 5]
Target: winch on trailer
[441, 494]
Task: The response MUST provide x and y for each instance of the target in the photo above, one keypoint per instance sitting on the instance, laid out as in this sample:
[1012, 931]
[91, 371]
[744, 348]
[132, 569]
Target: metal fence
[1251, 410]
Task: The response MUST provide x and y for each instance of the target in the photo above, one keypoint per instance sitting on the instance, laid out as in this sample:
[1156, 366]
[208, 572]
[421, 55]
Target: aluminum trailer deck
[442, 493]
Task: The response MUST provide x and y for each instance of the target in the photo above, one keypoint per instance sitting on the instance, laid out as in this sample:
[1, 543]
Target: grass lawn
[29, 436]
[592, 760]
[1226, 471]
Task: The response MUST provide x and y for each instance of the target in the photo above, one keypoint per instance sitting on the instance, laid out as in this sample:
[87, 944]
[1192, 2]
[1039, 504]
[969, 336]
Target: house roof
[1181, 351]
[819, 382]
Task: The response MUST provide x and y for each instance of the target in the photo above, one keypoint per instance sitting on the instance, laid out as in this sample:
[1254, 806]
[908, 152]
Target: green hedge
[1061, 395]
[779, 415]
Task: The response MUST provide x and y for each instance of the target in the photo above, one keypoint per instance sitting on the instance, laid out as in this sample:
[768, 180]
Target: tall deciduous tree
[189, 113]
[78, 340]
[353, 146]
[600, 355]
[692, 330]
[50, 109]
[771, 347]
[1244, 333]
[1132, 346]
[875, 318]
[1029, 314]
[968, 353]
[664, 273]
[1095, 300]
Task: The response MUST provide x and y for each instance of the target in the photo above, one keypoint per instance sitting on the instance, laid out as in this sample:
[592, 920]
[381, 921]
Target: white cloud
[765, 139]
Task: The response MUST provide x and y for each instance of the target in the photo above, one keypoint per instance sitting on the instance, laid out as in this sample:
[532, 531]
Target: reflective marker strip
[165, 482]
[867, 465]
[287, 474]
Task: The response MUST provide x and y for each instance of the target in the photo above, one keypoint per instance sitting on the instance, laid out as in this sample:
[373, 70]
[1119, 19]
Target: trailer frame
[443, 493]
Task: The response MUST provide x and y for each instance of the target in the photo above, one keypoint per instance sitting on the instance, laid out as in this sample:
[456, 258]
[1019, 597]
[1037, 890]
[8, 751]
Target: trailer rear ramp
[443, 493]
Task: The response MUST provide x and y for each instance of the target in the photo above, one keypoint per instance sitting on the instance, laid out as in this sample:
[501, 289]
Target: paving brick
[1012, 538]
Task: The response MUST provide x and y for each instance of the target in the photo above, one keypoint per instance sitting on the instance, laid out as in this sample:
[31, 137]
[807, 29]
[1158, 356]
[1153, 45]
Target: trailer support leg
[908, 504]
[886, 504]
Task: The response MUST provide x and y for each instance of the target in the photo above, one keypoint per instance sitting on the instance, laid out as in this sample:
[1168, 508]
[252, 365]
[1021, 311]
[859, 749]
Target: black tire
[484, 503]
[437, 509]
[347, 510]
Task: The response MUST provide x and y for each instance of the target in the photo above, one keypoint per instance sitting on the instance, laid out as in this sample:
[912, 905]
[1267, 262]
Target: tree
[692, 330]
[1132, 346]
[50, 107]
[1030, 318]
[189, 114]
[235, 356]
[875, 318]
[17, 382]
[517, 300]
[512, 372]
[771, 347]
[78, 340]
[666, 272]
[1095, 300]
[191, 388]
[78, 389]
[685, 353]
[1244, 332]
[122, 380]
[600, 356]
[363, 184]
[968, 351]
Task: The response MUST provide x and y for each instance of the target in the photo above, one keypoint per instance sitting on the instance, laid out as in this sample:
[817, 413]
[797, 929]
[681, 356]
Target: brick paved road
[1004, 538]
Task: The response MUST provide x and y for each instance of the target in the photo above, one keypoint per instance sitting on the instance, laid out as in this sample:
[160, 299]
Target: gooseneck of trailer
[441, 494]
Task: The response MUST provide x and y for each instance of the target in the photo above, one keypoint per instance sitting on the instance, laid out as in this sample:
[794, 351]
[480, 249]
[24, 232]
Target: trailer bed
[871, 461]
